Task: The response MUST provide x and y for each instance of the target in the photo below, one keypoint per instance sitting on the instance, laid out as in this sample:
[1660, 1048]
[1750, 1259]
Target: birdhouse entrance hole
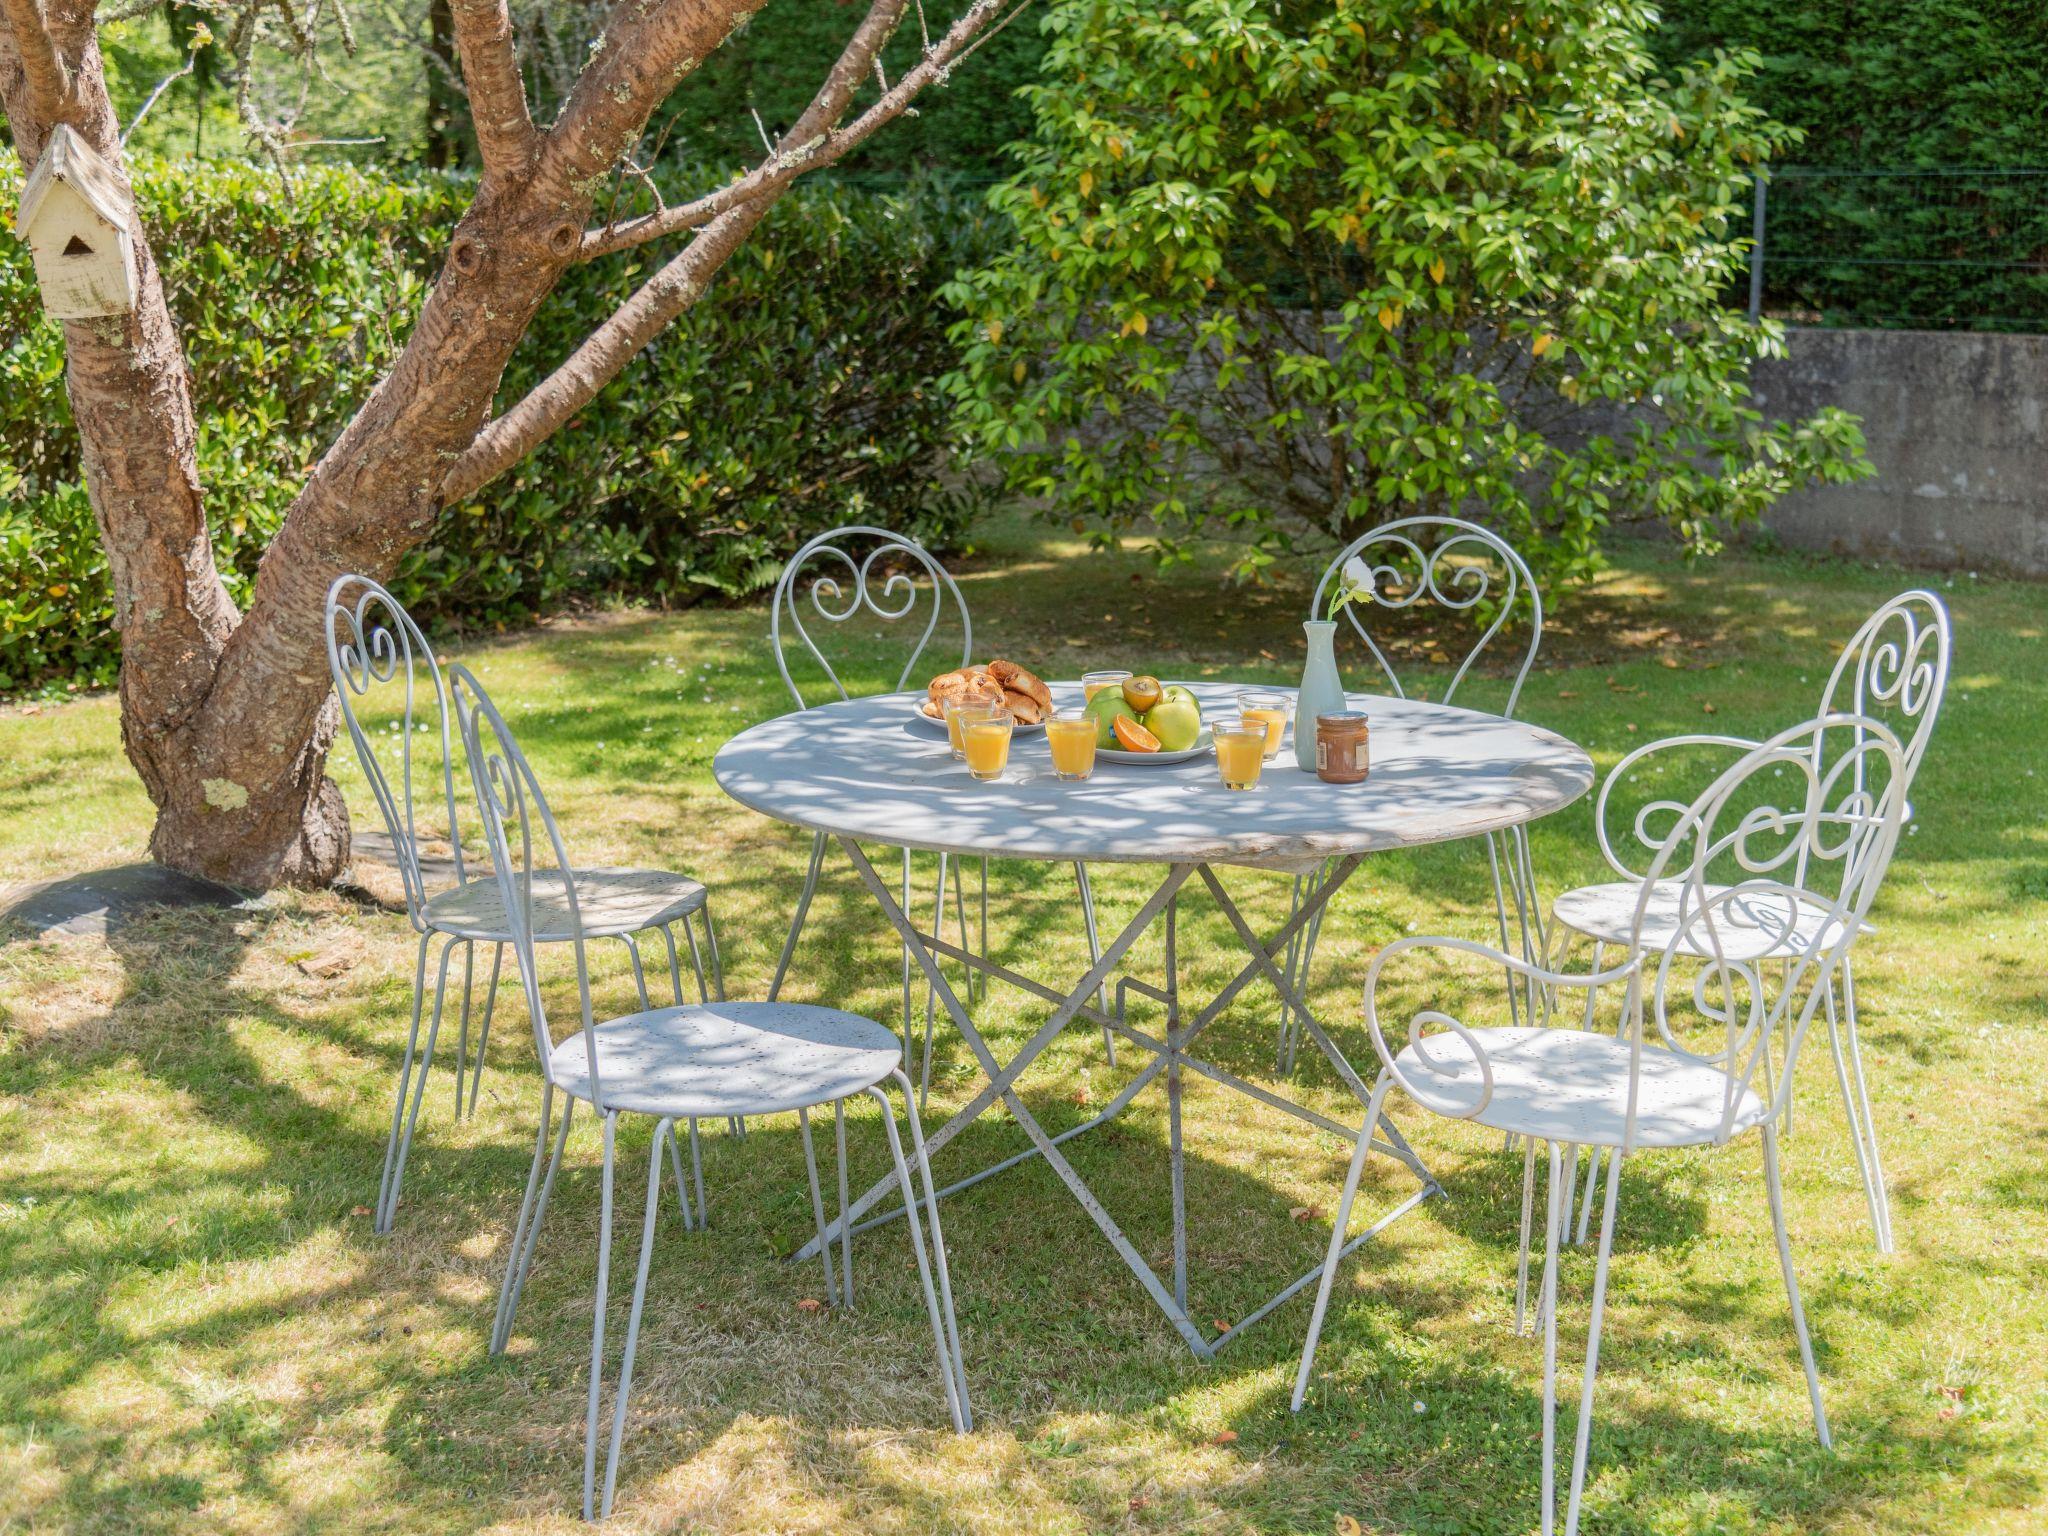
[77, 247]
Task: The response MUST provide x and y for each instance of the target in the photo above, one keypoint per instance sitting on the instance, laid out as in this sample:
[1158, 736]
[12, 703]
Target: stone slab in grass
[99, 901]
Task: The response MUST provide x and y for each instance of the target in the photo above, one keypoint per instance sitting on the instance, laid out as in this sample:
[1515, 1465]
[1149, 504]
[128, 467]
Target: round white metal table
[869, 769]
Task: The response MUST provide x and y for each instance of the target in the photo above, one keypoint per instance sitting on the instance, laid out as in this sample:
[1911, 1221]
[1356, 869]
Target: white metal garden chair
[1895, 668]
[1728, 856]
[1465, 568]
[673, 1065]
[836, 581]
[377, 654]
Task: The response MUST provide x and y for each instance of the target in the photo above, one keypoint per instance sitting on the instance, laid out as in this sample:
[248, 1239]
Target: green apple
[1103, 709]
[1176, 720]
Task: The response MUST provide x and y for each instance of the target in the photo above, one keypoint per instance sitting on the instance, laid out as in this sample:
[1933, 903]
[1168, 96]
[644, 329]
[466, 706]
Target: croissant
[967, 683]
[1016, 680]
[1023, 708]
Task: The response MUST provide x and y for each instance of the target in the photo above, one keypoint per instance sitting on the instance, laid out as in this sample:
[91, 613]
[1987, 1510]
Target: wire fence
[1951, 248]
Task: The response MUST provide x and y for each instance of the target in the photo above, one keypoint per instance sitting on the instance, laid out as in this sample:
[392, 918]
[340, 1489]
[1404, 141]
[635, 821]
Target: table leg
[1170, 1058]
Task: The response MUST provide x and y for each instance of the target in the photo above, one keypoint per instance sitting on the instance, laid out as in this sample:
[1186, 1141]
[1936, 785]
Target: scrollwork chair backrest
[1832, 840]
[835, 582]
[532, 868]
[1894, 669]
[1842, 826]
[1455, 564]
[373, 645]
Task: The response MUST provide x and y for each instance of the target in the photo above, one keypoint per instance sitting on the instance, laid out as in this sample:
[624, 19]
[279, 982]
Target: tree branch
[505, 134]
[633, 67]
[43, 68]
[678, 285]
[800, 152]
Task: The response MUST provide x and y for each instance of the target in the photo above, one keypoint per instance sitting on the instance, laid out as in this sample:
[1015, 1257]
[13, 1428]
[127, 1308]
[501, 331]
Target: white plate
[917, 711]
[1202, 744]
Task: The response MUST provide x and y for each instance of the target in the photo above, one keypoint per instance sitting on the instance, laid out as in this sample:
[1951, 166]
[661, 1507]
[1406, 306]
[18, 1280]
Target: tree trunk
[228, 719]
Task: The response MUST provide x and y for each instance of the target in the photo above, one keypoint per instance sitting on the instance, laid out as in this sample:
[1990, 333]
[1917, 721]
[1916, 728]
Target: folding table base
[1171, 1059]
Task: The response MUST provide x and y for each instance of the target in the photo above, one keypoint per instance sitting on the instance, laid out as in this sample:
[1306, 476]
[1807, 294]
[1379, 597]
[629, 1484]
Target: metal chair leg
[1522, 1251]
[696, 961]
[1855, 1045]
[419, 998]
[1776, 1194]
[388, 1214]
[803, 1120]
[675, 1159]
[1593, 1158]
[507, 1291]
[1598, 1315]
[1359, 1153]
[941, 1335]
[483, 1036]
[639, 974]
[1855, 1120]
[523, 1260]
[845, 1203]
[462, 1038]
[604, 1277]
[711, 943]
[796, 921]
[622, 1400]
[931, 1201]
[675, 969]
[697, 1177]
[1553, 1219]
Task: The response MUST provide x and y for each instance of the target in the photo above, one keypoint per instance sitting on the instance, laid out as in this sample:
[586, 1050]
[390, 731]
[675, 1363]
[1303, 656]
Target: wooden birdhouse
[75, 217]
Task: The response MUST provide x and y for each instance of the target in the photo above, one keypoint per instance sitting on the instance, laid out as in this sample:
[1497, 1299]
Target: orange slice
[1133, 737]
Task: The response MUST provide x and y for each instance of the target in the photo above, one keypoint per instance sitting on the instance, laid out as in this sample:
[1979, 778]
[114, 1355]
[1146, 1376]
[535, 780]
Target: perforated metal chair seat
[1760, 924]
[611, 901]
[1571, 1085]
[717, 1059]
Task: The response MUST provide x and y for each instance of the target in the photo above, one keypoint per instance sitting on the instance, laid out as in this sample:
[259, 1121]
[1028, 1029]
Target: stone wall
[1954, 423]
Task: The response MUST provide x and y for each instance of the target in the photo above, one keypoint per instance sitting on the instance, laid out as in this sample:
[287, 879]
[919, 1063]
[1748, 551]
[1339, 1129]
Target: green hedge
[796, 396]
[1941, 92]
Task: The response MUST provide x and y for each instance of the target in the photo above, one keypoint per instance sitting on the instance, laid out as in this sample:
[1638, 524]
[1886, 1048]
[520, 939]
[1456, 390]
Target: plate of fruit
[1145, 721]
[1020, 692]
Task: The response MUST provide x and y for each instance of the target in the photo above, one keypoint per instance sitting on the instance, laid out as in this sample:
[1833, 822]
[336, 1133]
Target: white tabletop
[867, 769]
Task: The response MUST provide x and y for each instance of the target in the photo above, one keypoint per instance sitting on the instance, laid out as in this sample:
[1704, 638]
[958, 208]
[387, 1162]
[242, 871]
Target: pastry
[1023, 708]
[1016, 679]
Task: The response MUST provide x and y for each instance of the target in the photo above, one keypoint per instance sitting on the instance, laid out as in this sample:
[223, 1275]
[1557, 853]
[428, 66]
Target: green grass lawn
[199, 1331]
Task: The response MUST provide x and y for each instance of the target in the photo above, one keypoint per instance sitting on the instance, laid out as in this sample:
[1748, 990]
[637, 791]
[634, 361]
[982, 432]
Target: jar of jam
[1341, 740]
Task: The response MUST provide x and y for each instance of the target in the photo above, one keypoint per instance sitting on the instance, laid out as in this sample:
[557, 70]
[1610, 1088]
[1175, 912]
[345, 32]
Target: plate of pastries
[1017, 689]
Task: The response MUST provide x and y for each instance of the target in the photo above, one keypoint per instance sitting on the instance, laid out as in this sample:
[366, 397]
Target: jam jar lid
[1344, 717]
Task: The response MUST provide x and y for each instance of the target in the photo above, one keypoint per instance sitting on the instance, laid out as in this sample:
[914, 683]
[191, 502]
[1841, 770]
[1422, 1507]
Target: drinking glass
[1269, 710]
[1071, 735]
[988, 745]
[960, 711]
[1093, 683]
[1240, 752]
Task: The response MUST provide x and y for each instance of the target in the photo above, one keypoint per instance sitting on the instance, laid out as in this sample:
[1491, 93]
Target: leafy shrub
[1285, 272]
[798, 394]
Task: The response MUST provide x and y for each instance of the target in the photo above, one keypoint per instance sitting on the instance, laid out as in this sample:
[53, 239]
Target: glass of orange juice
[960, 712]
[1240, 752]
[1269, 710]
[1093, 683]
[1070, 733]
[987, 741]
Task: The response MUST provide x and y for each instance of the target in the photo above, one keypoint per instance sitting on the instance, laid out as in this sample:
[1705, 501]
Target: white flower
[1358, 580]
